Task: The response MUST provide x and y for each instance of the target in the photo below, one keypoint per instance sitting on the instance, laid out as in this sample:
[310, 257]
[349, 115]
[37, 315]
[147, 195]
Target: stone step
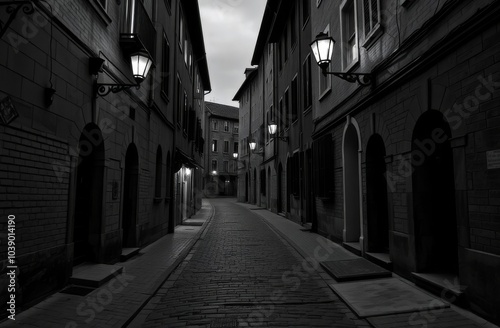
[93, 274]
[446, 286]
[128, 253]
[380, 259]
[353, 247]
[354, 269]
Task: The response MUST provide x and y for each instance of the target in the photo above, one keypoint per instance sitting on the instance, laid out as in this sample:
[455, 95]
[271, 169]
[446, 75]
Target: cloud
[230, 29]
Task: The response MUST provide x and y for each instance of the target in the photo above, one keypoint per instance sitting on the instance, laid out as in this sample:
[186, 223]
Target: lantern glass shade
[141, 64]
[252, 144]
[272, 128]
[235, 155]
[322, 49]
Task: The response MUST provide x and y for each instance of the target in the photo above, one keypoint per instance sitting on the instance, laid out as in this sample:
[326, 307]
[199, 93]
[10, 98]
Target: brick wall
[31, 190]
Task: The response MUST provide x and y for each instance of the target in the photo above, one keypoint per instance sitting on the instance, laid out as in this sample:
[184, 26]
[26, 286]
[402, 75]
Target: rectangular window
[281, 122]
[371, 15]
[165, 75]
[280, 55]
[293, 32]
[307, 83]
[226, 166]
[286, 108]
[285, 44]
[185, 113]
[214, 145]
[295, 95]
[215, 125]
[236, 128]
[103, 4]
[226, 146]
[305, 11]
[226, 126]
[325, 81]
[349, 34]
[179, 99]
[214, 165]
[235, 147]
[181, 31]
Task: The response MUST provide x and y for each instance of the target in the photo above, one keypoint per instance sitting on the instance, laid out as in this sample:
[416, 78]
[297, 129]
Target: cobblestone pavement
[241, 273]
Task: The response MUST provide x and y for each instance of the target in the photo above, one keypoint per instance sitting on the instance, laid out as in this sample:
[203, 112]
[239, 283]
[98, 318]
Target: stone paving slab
[354, 269]
[94, 275]
[313, 246]
[384, 297]
[241, 269]
[115, 303]
[436, 318]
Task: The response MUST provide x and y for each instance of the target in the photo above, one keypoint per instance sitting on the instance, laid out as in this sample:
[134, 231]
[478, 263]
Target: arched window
[158, 172]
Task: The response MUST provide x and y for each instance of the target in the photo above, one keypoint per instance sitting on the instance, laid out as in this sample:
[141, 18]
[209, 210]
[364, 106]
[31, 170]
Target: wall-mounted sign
[7, 111]
[493, 159]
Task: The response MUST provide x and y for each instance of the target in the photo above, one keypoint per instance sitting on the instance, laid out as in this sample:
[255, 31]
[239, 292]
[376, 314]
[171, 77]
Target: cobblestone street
[241, 273]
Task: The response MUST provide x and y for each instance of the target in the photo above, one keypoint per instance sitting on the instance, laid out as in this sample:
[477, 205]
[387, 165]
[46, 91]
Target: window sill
[373, 36]
[305, 23]
[102, 13]
[406, 3]
[351, 66]
[324, 94]
[165, 97]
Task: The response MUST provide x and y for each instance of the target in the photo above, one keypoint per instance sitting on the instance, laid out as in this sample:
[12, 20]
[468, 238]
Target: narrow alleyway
[241, 273]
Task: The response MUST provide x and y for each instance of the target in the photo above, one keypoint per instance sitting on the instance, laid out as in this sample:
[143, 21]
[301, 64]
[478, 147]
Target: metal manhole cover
[224, 322]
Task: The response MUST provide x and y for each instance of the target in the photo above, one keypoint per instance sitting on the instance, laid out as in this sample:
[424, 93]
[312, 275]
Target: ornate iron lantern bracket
[13, 8]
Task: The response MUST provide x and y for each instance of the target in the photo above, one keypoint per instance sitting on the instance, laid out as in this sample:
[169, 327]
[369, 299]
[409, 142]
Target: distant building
[221, 167]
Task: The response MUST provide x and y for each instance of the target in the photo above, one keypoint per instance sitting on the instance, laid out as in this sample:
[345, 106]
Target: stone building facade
[413, 156]
[85, 173]
[221, 167]
[405, 170]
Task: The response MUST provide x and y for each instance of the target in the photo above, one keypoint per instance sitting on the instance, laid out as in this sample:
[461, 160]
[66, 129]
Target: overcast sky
[230, 29]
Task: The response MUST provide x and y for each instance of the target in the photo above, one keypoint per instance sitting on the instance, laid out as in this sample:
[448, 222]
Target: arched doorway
[246, 187]
[269, 188]
[254, 201]
[130, 197]
[279, 190]
[352, 199]
[89, 195]
[376, 196]
[434, 195]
